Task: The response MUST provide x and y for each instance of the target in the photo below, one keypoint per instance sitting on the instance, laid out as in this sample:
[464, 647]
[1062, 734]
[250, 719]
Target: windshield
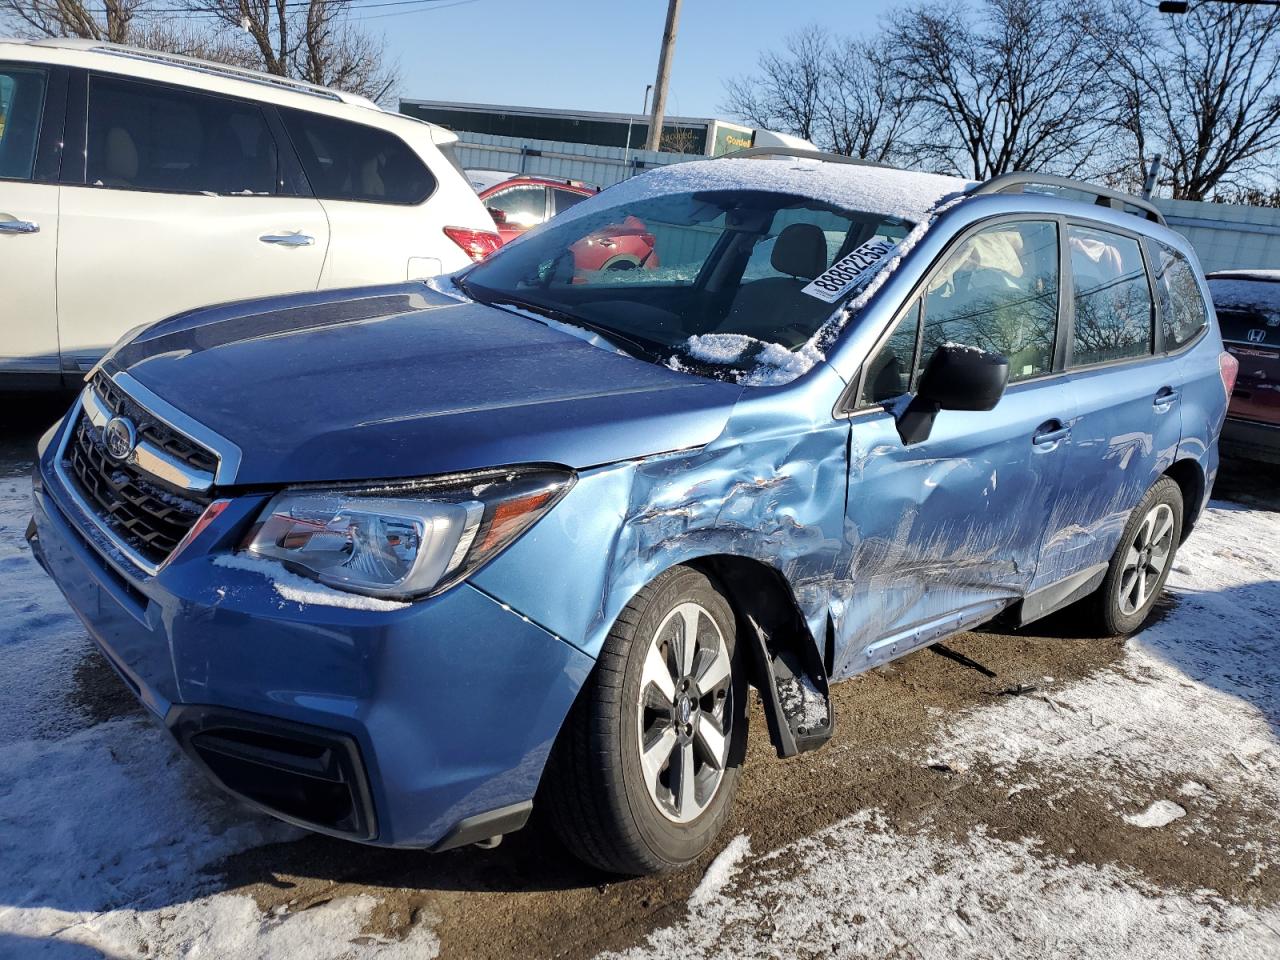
[651, 274]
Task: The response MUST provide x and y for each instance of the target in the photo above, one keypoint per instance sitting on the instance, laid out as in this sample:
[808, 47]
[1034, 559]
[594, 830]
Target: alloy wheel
[1146, 559]
[685, 712]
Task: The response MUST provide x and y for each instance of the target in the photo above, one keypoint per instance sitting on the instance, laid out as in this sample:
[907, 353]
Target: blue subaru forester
[397, 563]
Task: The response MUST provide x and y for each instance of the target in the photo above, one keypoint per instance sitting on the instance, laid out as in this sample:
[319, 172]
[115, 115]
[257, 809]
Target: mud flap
[792, 680]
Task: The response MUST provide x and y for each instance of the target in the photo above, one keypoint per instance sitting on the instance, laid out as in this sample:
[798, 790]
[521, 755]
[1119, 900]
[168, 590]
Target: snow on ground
[1194, 701]
[104, 827]
[859, 889]
[1196, 697]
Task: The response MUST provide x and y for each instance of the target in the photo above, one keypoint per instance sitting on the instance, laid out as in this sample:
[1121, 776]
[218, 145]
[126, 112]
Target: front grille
[152, 430]
[140, 510]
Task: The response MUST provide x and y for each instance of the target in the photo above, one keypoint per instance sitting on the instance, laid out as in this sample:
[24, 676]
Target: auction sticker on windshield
[839, 278]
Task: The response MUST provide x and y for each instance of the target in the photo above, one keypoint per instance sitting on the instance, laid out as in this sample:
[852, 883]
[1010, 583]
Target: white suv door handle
[19, 226]
[288, 239]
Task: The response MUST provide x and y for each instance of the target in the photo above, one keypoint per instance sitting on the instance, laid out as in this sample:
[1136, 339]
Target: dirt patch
[97, 693]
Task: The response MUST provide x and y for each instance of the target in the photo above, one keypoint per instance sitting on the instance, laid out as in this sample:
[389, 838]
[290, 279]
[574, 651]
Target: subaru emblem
[119, 437]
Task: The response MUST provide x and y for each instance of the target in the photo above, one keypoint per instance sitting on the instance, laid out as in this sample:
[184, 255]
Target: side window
[998, 291]
[889, 371]
[522, 207]
[349, 161]
[21, 107]
[1183, 314]
[564, 199]
[144, 136]
[1113, 306]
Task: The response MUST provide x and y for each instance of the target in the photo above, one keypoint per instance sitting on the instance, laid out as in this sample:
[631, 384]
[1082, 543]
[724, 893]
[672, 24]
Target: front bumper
[1251, 439]
[423, 726]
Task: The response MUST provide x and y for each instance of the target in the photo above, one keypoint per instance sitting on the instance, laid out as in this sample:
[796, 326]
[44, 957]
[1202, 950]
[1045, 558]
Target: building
[687, 135]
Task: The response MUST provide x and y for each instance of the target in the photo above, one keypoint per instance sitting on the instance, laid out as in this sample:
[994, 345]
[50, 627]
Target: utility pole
[664, 75]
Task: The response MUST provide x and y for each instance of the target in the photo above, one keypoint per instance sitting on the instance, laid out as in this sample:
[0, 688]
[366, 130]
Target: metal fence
[1225, 236]
[603, 166]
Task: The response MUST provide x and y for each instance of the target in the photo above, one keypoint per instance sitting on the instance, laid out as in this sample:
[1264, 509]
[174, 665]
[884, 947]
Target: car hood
[403, 381]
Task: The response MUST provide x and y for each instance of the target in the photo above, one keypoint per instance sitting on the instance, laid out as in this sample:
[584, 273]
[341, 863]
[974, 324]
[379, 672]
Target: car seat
[766, 308]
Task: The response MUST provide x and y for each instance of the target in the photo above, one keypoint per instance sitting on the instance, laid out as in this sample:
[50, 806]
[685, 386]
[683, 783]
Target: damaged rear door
[944, 533]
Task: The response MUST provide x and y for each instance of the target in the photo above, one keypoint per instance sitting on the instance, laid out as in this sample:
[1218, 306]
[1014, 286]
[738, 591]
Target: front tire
[643, 774]
[1142, 561]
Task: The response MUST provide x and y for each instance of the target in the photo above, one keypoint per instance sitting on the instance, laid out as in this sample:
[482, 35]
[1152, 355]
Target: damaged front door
[944, 533]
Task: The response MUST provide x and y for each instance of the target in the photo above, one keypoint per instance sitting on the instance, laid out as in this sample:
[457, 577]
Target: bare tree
[314, 41]
[1012, 85]
[863, 110]
[786, 91]
[1202, 90]
[72, 18]
[836, 92]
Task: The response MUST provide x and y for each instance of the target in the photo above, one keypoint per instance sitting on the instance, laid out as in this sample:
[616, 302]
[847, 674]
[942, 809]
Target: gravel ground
[1000, 795]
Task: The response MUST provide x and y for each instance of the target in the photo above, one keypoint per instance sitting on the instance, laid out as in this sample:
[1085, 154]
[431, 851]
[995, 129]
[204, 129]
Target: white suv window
[21, 105]
[349, 161]
[144, 136]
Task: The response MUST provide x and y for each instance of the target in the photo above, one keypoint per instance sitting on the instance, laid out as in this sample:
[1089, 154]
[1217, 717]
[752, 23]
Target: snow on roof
[1257, 290]
[871, 189]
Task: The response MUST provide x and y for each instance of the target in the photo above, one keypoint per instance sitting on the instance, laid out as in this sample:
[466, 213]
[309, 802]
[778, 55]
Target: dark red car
[1248, 307]
[518, 203]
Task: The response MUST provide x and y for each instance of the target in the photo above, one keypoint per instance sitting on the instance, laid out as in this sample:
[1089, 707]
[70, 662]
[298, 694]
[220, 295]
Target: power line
[189, 13]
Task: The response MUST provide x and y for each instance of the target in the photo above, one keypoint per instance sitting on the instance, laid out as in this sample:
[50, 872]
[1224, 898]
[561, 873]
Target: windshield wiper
[618, 341]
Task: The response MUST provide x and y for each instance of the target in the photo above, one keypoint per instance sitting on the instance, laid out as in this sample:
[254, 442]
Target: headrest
[800, 250]
[122, 154]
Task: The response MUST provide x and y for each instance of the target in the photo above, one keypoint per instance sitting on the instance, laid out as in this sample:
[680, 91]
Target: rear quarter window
[1183, 313]
[350, 161]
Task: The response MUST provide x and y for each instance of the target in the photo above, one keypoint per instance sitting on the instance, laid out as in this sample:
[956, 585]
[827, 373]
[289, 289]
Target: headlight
[404, 540]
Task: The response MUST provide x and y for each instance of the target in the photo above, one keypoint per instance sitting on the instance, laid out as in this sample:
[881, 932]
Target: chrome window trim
[146, 456]
[228, 453]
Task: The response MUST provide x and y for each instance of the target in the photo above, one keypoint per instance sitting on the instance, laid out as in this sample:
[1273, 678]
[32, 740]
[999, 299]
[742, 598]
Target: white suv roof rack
[207, 67]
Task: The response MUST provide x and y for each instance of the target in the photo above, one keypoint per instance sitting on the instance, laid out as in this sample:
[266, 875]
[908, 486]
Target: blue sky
[595, 54]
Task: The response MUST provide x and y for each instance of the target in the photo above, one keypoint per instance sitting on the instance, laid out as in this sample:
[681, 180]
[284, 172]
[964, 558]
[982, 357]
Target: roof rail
[749, 152]
[1102, 196]
[222, 70]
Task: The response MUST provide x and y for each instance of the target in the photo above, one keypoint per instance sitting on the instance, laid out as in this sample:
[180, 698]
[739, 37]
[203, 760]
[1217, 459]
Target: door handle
[288, 239]
[1165, 397]
[19, 226]
[1049, 434]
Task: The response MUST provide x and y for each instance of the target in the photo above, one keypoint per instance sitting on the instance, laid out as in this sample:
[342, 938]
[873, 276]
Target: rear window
[1184, 314]
[349, 161]
[1248, 310]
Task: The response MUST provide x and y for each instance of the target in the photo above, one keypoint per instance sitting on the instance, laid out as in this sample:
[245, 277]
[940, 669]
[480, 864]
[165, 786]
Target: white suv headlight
[404, 540]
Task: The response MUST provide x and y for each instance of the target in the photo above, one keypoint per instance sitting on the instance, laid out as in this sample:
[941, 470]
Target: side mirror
[956, 378]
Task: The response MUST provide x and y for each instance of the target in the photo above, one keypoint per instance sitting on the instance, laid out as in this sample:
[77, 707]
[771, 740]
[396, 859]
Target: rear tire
[643, 774]
[1142, 561]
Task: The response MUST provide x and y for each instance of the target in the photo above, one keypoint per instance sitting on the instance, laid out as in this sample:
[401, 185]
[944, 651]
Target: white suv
[135, 185]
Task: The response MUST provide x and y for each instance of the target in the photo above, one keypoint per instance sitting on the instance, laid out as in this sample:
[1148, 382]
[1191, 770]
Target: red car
[1248, 307]
[518, 203]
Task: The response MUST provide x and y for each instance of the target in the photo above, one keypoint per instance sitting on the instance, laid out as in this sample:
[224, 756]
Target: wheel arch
[782, 646]
[1189, 476]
